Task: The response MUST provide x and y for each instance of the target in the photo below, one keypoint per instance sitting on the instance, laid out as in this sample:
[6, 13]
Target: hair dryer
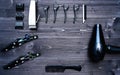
[97, 47]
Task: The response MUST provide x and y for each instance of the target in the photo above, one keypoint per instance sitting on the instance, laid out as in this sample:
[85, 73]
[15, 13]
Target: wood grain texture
[59, 43]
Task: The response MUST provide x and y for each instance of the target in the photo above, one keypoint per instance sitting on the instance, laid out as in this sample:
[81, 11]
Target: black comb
[60, 68]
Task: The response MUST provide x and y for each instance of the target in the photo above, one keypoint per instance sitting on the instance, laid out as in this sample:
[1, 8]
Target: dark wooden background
[59, 43]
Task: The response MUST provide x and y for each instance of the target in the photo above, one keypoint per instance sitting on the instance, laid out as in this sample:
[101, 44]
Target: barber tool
[75, 9]
[20, 60]
[97, 47]
[20, 7]
[19, 25]
[19, 16]
[46, 13]
[20, 41]
[60, 68]
[65, 8]
[55, 9]
[32, 15]
[84, 12]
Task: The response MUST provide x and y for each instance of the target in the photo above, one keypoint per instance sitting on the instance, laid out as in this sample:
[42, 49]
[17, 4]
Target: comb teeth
[61, 68]
[54, 69]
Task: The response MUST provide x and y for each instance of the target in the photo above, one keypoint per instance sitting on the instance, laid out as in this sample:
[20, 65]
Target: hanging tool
[65, 8]
[55, 9]
[84, 12]
[75, 9]
[46, 13]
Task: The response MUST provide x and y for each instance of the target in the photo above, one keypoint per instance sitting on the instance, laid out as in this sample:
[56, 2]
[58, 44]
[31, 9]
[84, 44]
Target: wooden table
[59, 43]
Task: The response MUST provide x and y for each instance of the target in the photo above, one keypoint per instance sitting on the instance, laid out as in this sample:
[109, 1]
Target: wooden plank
[60, 43]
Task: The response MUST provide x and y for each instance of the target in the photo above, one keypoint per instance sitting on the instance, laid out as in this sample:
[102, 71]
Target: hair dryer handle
[113, 49]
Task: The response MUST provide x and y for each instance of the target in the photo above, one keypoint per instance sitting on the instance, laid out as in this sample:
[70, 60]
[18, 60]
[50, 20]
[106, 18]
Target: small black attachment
[20, 7]
[19, 16]
[65, 8]
[75, 9]
[55, 9]
[19, 25]
[20, 41]
[46, 13]
[60, 68]
[113, 49]
[20, 60]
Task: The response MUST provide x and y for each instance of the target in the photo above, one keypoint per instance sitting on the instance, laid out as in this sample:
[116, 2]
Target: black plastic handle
[113, 49]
